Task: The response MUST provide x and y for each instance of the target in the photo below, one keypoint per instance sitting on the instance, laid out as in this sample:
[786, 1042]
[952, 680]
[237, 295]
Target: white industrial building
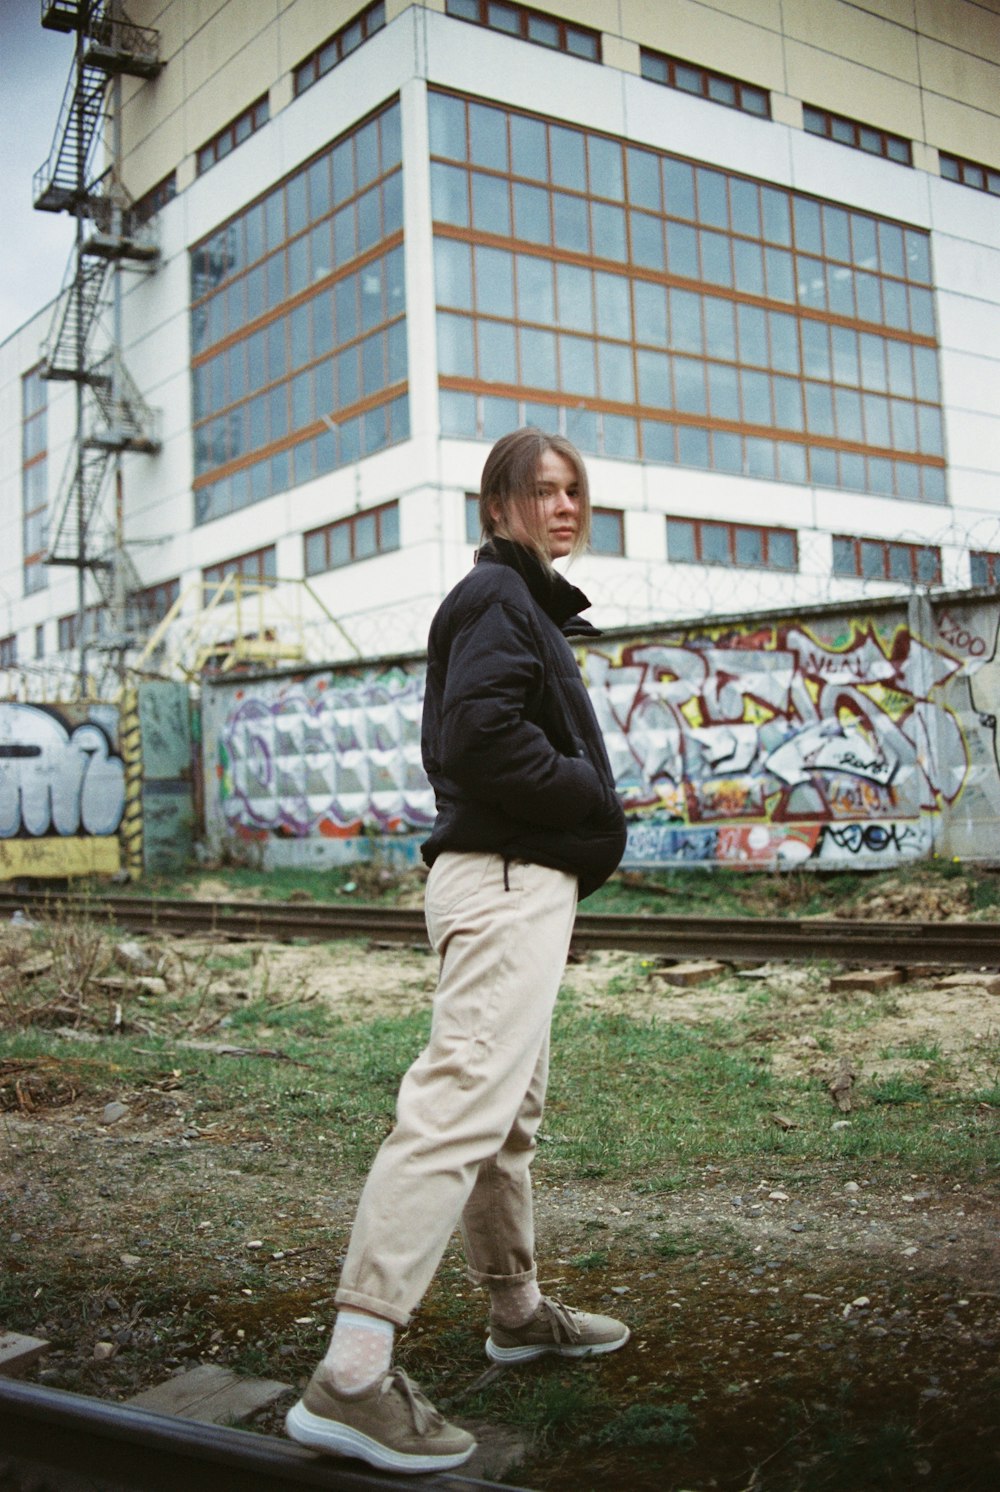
[746, 254]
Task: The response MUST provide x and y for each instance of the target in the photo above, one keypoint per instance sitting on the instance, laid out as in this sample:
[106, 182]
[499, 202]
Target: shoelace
[563, 1319]
[425, 1417]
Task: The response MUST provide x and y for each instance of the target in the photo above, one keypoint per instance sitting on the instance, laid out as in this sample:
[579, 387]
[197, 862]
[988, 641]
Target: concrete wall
[839, 737]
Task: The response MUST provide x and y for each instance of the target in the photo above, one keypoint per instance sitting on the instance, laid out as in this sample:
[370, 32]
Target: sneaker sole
[528, 1354]
[337, 1439]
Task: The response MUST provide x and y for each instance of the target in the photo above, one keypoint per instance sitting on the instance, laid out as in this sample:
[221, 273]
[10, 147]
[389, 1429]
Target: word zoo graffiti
[850, 740]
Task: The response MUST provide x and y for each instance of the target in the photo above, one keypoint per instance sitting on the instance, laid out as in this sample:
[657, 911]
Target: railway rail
[53, 1441]
[757, 939]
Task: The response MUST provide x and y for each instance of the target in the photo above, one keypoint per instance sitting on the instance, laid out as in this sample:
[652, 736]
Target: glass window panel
[576, 360]
[654, 379]
[840, 289]
[529, 156]
[364, 535]
[275, 286]
[570, 222]
[392, 203]
[279, 415]
[447, 121]
[928, 565]
[900, 368]
[608, 225]
[816, 349]
[720, 329]
[721, 91]
[819, 409]
[904, 425]
[723, 392]
[503, 18]
[753, 335]
[646, 233]
[620, 438]
[692, 446]
[499, 417]
[921, 311]
[614, 364]
[784, 342]
[845, 560]
[894, 301]
[930, 435]
[321, 250]
[366, 152]
[687, 78]
[606, 174]
[395, 281]
[302, 400]
[574, 289]
[606, 529]
[396, 339]
[535, 299]
[776, 215]
[388, 527]
[497, 353]
[870, 140]
[847, 405]
[713, 206]
[907, 480]
[690, 393]
[345, 234]
[792, 462]
[756, 395]
[787, 403]
[852, 471]
[918, 256]
[657, 441]
[716, 264]
[749, 542]
[449, 194]
[274, 217]
[681, 541]
[392, 139]
[808, 226]
[538, 358]
[837, 233]
[453, 273]
[876, 419]
[678, 189]
[566, 148]
[979, 569]
[345, 299]
[754, 100]
[543, 31]
[490, 204]
[748, 262]
[926, 371]
[373, 364]
[933, 484]
[685, 321]
[900, 562]
[315, 553]
[715, 543]
[863, 238]
[644, 179]
[581, 44]
[531, 213]
[544, 416]
[296, 203]
[369, 219]
[880, 478]
[650, 312]
[780, 275]
[375, 433]
[299, 323]
[371, 295]
[488, 137]
[891, 255]
[581, 429]
[455, 349]
[495, 282]
[873, 374]
[745, 200]
[613, 317]
[845, 355]
[811, 278]
[682, 251]
[458, 412]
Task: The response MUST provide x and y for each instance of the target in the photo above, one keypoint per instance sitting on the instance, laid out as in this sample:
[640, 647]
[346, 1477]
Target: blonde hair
[509, 482]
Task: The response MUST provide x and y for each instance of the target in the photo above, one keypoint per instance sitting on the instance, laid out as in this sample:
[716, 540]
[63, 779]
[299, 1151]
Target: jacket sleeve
[490, 748]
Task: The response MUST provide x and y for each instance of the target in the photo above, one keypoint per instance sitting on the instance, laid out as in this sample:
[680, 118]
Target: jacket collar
[552, 591]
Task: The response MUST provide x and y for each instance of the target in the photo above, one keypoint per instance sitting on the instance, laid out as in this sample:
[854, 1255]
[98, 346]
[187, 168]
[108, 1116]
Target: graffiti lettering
[55, 779]
[874, 839]
[956, 636]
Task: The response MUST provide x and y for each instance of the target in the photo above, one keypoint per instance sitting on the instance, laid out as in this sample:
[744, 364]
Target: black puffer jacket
[510, 741]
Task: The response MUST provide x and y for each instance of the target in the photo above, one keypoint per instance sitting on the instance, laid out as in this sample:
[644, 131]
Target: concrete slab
[867, 979]
[685, 975]
[18, 1353]
[988, 983]
[211, 1394]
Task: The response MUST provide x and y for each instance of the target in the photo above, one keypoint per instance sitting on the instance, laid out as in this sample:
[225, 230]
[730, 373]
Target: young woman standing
[528, 822]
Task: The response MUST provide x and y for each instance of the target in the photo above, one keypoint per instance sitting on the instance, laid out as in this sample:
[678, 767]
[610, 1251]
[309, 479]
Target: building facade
[745, 255]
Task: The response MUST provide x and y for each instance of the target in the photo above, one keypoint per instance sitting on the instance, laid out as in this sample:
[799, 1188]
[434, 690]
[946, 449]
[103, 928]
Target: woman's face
[558, 497]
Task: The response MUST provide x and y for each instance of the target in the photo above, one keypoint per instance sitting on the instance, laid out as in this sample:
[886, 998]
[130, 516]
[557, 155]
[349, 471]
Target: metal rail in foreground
[957, 944]
[53, 1441]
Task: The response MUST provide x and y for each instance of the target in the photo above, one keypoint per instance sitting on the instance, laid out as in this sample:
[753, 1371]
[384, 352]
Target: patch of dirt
[947, 901]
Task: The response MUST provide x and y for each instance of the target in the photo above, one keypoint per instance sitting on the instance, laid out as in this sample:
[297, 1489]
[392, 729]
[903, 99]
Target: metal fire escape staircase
[112, 415]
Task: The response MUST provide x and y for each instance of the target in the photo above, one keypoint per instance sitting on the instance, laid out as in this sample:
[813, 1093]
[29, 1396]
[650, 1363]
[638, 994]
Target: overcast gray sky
[34, 246]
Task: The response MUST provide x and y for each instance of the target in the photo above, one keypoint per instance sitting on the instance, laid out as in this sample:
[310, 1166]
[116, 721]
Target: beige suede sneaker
[391, 1426]
[558, 1329]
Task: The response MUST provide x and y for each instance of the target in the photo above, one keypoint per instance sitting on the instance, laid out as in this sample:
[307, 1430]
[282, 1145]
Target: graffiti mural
[337, 758]
[836, 740]
[62, 790]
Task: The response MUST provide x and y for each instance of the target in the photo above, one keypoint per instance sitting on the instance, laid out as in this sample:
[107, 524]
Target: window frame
[863, 546]
[650, 60]
[350, 524]
[324, 58]
[525, 15]
[834, 126]
[707, 528]
[265, 574]
[8, 651]
[991, 566]
[617, 516]
[958, 169]
[234, 134]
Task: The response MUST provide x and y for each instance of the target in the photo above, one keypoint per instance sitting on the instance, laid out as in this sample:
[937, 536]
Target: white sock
[360, 1351]
[515, 1304]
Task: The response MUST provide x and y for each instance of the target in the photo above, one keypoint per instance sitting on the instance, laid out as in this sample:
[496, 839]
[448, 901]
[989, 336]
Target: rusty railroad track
[54, 1441]
[758, 939]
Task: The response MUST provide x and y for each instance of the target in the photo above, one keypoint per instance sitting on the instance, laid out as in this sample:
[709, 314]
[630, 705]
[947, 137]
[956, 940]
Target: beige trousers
[469, 1107]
